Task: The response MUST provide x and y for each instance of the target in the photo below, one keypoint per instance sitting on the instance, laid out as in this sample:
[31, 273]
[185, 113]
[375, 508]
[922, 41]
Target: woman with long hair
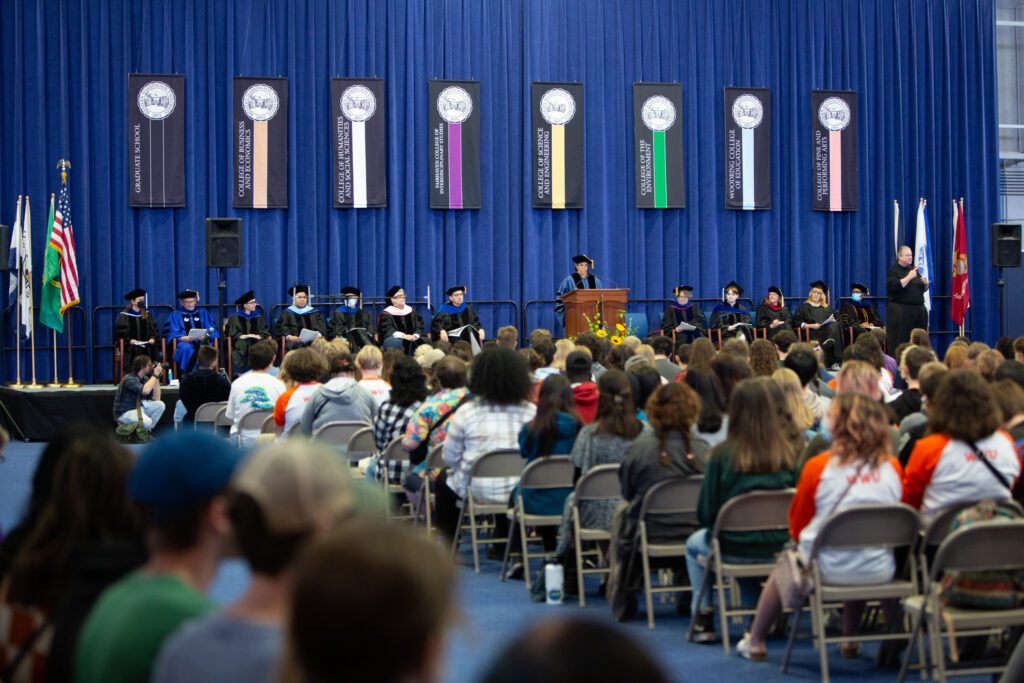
[793, 393]
[819, 319]
[764, 359]
[730, 372]
[713, 422]
[702, 352]
[563, 347]
[408, 389]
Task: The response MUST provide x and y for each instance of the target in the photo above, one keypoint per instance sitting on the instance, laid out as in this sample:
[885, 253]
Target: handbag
[134, 432]
[25, 635]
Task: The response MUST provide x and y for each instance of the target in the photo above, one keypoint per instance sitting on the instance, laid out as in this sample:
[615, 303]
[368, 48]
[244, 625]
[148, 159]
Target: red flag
[961, 299]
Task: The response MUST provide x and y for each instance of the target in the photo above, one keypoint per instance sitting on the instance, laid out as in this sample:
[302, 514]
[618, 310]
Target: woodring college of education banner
[748, 131]
[658, 145]
[834, 145]
[557, 145]
[260, 132]
[359, 129]
[156, 140]
[454, 138]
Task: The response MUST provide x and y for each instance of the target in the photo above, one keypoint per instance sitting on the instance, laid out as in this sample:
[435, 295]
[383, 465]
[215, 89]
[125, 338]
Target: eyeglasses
[398, 296]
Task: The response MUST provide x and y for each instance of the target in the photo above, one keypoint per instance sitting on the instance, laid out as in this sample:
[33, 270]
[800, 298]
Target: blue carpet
[491, 613]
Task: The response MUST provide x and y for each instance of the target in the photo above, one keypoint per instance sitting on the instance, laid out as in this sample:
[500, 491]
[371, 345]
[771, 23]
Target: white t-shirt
[252, 391]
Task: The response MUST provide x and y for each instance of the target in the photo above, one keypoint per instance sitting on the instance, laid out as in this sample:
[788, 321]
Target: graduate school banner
[557, 145]
[834, 146]
[260, 131]
[156, 140]
[454, 154]
[658, 145]
[748, 131]
[358, 132]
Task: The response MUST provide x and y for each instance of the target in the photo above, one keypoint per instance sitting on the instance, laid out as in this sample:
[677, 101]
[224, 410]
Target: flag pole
[17, 329]
[31, 321]
[71, 383]
[55, 384]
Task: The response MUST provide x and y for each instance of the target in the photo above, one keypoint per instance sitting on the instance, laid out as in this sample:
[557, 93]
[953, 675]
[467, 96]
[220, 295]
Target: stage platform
[38, 414]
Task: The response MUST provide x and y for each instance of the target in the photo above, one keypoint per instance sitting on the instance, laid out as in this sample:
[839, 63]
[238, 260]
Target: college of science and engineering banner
[834, 146]
[260, 132]
[658, 145]
[748, 130]
[156, 140]
[359, 129]
[557, 117]
[453, 112]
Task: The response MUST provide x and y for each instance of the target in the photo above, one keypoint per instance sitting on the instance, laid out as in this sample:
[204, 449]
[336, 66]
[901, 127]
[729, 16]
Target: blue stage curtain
[924, 71]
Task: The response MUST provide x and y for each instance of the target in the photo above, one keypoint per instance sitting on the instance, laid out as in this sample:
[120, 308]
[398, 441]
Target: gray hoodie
[339, 400]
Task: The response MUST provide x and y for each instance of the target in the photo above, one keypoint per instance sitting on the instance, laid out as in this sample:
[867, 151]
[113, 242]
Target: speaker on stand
[1006, 244]
[223, 250]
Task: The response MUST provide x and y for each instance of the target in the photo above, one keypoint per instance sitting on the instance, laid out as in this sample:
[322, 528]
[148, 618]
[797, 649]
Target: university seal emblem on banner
[359, 131]
[157, 100]
[658, 145]
[747, 148]
[834, 150]
[260, 132]
[156, 140]
[454, 140]
[557, 145]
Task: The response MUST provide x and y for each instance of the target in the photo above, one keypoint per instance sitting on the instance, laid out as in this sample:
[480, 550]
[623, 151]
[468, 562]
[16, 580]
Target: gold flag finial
[64, 165]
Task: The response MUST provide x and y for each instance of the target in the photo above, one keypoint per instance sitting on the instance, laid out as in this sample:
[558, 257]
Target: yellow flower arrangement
[602, 333]
[616, 340]
[620, 327]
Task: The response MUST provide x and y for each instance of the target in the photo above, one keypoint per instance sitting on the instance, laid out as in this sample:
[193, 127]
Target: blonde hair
[369, 358]
[632, 341]
[794, 394]
[820, 291]
[858, 377]
[646, 351]
[563, 347]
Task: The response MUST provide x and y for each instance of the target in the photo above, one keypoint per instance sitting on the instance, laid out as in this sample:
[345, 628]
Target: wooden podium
[579, 302]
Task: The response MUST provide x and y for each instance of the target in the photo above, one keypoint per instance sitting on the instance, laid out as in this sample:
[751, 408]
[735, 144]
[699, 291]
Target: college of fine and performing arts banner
[658, 145]
[359, 129]
[557, 117]
[834, 145]
[156, 140]
[453, 112]
[748, 131]
[260, 132]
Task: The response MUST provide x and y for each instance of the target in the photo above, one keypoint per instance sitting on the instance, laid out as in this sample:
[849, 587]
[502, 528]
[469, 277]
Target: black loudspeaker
[5, 246]
[1006, 245]
[223, 242]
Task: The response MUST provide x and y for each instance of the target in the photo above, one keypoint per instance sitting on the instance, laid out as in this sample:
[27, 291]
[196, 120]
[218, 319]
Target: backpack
[984, 589]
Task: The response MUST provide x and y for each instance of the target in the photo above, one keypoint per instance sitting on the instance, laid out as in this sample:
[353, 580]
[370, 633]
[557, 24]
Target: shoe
[743, 650]
[849, 650]
[827, 343]
[703, 628]
[514, 572]
[835, 367]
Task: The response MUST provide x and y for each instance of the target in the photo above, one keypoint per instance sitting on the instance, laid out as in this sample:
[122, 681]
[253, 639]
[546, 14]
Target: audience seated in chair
[206, 384]
[341, 399]
[256, 389]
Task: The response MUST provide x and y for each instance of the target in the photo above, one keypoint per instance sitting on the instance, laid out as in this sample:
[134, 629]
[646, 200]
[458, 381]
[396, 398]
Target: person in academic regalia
[352, 322]
[185, 318]
[297, 317]
[858, 314]
[581, 279]
[730, 316]
[136, 327]
[455, 314]
[906, 287]
[816, 316]
[400, 326]
[245, 327]
[683, 311]
[772, 314]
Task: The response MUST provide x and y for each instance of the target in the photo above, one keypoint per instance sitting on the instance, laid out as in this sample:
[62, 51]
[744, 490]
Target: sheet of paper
[685, 327]
[308, 336]
[197, 334]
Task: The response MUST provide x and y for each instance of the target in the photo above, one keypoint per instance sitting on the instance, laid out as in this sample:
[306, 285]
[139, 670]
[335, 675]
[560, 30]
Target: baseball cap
[577, 362]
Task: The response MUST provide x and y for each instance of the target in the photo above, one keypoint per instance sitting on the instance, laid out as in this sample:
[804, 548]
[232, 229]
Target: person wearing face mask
[772, 314]
[732, 317]
[244, 327]
[401, 327]
[682, 310]
[454, 315]
[135, 326]
[352, 322]
[816, 316]
[297, 317]
[581, 279]
[905, 287]
[857, 314]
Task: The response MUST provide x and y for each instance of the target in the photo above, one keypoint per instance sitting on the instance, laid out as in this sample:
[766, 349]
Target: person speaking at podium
[581, 279]
[456, 320]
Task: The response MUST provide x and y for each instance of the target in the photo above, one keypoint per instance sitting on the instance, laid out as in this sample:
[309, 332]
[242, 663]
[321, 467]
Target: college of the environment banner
[834, 146]
[658, 145]
[156, 140]
[260, 132]
[358, 132]
[557, 117]
[748, 131]
[454, 115]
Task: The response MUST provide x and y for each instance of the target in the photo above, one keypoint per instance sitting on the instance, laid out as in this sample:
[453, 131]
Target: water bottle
[554, 575]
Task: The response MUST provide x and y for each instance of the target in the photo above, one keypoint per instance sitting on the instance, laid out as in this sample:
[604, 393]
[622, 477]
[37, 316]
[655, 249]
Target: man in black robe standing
[906, 287]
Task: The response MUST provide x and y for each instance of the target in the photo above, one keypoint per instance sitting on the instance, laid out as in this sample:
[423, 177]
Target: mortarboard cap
[775, 289]
[245, 298]
[732, 284]
[298, 289]
[350, 291]
[681, 288]
[394, 290]
[583, 258]
[456, 288]
[857, 285]
[188, 294]
[134, 294]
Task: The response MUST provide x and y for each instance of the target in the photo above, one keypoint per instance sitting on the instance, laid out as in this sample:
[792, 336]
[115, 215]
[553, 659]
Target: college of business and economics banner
[156, 140]
[834, 146]
[748, 126]
[557, 117]
[259, 128]
[358, 134]
[658, 145]
[453, 112]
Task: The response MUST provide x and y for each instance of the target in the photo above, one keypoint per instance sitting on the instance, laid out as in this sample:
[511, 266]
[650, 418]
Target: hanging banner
[658, 145]
[454, 117]
[748, 132]
[359, 130]
[834, 146]
[260, 131]
[557, 116]
[156, 140]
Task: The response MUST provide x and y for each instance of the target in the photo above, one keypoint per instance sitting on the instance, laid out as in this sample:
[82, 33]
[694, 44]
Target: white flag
[895, 226]
[923, 251]
[25, 254]
[14, 259]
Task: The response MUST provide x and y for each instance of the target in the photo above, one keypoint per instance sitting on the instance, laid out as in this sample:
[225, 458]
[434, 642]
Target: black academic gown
[725, 315]
[291, 323]
[410, 323]
[856, 315]
[357, 328]
[675, 314]
[449, 318]
[139, 326]
[237, 325]
[766, 314]
[807, 313]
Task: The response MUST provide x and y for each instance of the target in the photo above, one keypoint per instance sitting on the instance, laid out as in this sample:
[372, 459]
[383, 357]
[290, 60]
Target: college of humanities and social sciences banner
[834, 144]
[748, 131]
[658, 145]
[557, 116]
[260, 131]
[454, 117]
[358, 131]
[156, 140]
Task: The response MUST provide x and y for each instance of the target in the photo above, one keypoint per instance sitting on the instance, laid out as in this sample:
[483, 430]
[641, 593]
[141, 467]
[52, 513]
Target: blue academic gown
[570, 283]
[179, 324]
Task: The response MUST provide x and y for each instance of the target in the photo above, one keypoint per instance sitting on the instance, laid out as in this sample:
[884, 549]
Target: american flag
[63, 240]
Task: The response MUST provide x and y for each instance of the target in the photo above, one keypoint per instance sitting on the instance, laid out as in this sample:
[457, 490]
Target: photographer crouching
[138, 395]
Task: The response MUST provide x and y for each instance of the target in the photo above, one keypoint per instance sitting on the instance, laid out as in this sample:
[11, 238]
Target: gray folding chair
[750, 512]
[253, 420]
[852, 528]
[434, 461]
[600, 483]
[546, 473]
[338, 434]
[207, 414]
[985, 546]
[392, 454]
[361, 445]
[221, 421]
[672, 497]
[936, 532]
[504, 463]
[268, 426]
